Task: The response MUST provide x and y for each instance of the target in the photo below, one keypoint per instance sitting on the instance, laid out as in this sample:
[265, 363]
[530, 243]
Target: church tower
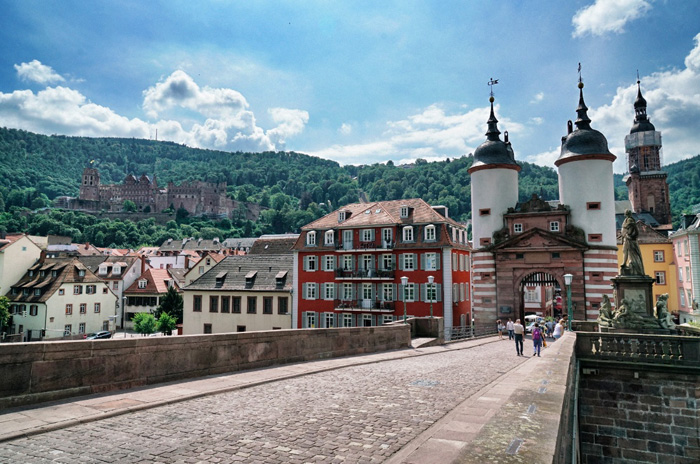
[494, 183]
[646, 182]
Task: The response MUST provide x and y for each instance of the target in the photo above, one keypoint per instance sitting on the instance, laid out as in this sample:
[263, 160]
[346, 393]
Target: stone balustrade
[645, 348]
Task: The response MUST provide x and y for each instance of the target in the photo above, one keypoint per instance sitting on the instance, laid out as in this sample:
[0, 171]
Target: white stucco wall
[496, 189]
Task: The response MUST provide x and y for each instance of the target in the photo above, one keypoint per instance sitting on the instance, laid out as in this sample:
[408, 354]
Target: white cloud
[345, 129]
[546, 158]
[673, 106]
[34, 71]
[431, 134]
[537, 98]
[606, 16]
[217, 118]
[537, 120]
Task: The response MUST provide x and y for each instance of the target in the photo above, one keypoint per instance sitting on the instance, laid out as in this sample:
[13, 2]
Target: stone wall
[635, 415]
[44, 371]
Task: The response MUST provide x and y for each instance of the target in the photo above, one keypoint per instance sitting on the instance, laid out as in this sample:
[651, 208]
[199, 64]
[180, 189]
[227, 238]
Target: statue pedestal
[637, 292]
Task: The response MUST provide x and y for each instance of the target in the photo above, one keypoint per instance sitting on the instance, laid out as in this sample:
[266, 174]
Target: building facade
[17, 254]
[686, 248]
[536, 243]
[349, 265]
[239, 294]
[60, 297]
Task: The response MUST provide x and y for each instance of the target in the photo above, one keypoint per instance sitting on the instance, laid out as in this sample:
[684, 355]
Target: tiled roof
[9, 240]
[244, 242]
[124, 262]
[646, 235]
[179, 275]
[273, 246]
[66, 272]
[156, 282]
[233, 270]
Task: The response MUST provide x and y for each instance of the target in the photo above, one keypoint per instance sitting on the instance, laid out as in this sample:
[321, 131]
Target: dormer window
[103, 270]
[37, 292]
[329, 237]
[116, 270]
[250, 279]
[54, 273]
[408, 234]
[429, 233]
[220, 278]
[311, 238]
[42, 273]
[343, 215]
[31, 273]
[280, 278]
[554, 226]
[81, 272]
[143, 283]
[517, 228]
[403, 213]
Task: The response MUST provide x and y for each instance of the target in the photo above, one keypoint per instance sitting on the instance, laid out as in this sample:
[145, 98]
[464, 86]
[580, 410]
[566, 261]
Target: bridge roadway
[423, 405]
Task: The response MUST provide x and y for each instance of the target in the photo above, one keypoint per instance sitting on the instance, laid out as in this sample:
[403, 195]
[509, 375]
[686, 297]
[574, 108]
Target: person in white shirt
[558, 329]
[509, 328]
[518, 332]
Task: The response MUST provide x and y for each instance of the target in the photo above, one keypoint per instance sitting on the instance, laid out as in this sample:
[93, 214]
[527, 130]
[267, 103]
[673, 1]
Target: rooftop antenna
[491, 83]
[580, 79]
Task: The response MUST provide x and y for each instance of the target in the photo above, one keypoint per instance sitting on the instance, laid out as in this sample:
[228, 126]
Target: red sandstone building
[348, 266]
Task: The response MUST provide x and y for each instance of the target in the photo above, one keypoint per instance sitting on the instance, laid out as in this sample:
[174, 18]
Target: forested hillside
[297, 188]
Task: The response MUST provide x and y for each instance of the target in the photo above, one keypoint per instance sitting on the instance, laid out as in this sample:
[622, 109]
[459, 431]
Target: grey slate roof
[230, 274]
[274, 246]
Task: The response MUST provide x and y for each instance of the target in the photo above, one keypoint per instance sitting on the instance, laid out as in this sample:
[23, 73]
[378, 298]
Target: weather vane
[580, 79]
[491, 83]
[638, 76]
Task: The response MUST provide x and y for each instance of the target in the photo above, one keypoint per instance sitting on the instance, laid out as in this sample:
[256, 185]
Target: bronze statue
[631, 254]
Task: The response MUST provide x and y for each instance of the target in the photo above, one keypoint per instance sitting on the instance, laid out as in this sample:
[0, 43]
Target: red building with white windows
[348, 266]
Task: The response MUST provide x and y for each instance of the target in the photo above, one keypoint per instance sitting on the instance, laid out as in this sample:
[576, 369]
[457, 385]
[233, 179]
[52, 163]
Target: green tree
[171, 304]
[166, 324]
[4, 311]
[129, 206]
[144, 323]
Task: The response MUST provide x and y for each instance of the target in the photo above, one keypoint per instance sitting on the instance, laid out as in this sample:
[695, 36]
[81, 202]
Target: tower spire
[583, 121]
[492, 133]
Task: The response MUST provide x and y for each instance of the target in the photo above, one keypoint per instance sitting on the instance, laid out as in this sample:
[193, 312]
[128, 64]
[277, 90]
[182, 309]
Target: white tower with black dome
[494, 183]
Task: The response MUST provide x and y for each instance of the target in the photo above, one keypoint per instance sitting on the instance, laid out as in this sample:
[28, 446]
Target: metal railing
[364, 305]
[364, 273]
[655, 349]
[473, 331]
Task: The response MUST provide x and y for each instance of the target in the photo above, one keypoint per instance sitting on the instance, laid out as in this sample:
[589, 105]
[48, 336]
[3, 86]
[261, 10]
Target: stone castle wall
[630, 415]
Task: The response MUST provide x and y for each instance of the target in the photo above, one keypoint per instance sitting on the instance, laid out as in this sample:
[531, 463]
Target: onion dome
[584, 142]
[494, 152]
[641, 121]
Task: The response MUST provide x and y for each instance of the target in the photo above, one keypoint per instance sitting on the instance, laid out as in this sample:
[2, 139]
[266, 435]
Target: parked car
[99, 335]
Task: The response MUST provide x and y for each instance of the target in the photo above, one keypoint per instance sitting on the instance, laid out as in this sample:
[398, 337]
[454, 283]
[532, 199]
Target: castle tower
[90, 185]
[646, 182]
[585, 168]
[494, 183]
[494, 189]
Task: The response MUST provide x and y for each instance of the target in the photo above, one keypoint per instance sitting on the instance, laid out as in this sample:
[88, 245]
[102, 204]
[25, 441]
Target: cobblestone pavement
[360, 414]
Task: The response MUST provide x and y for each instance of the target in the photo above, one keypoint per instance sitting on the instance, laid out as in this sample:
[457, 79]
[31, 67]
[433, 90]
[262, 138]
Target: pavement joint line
[393, 355]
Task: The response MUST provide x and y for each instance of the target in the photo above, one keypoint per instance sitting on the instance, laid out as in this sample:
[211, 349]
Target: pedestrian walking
[536, 339]
[501, 328]
[518, 331]
[558, 329]
[550, 327]
[509, 328]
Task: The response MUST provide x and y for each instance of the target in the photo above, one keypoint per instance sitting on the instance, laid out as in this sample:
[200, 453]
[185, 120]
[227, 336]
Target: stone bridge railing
[653, 349]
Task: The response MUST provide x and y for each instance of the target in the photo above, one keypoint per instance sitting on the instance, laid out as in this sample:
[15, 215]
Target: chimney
[187, 262]
[143, 264]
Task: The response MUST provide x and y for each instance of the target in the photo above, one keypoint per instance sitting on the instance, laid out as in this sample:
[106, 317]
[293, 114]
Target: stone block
[632, 443]
[638, 455]
[685, 421]
[15, 379]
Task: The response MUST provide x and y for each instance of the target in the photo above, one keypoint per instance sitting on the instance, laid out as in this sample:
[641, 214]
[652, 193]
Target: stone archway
[546, 284]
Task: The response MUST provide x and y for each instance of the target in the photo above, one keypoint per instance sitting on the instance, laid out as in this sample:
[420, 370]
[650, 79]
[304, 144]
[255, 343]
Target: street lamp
[431, 279]
[124, 299]
[404, 282]
[570, 313]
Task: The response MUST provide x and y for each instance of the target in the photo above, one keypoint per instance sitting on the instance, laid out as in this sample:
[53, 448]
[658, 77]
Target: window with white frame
[660, 277]
[408, 234]
[347, 292]
[387, 262]
[367, 262]
[329, 291]
[310, 263]
[329, 263]
[81, 328]
[466, 292]
[310, 320]
[329, 320]
[455, 293]
[367, 235]
[386, 319]
[97, 307]
[680, 274]
[429, 233]
[347, 262]
[142, 283]
[329, 237]
[310, 291]
[409, 292]
[77, 289]
[532, 295]
[455, 261]
[690, 298]
[387, 292]
[431, 293]
[67, 329]
[386, 236]
[409, 263]
[367, 293]
[517, 228]
[658, 256]
[431, 261]
[554, 226]
[347, 320]
[682, 295]
[404, 212]
[311, 238]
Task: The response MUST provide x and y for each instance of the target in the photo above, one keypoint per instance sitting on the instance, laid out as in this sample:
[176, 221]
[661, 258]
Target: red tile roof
[156, 282]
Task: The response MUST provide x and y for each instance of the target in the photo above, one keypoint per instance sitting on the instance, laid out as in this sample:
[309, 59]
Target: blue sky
[356, 82]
